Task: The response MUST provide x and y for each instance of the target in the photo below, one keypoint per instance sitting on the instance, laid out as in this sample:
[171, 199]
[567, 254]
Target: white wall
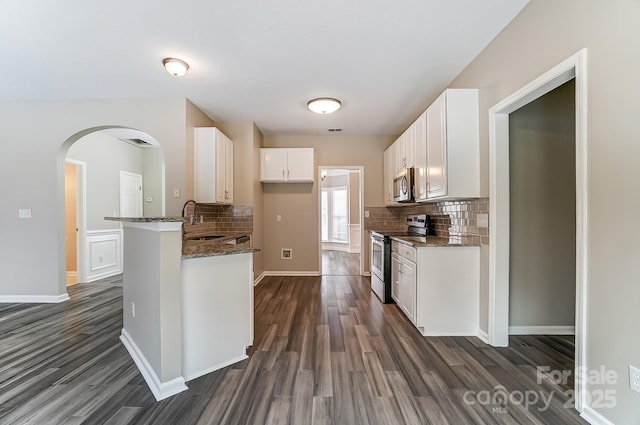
[35, 138]
[540, 37]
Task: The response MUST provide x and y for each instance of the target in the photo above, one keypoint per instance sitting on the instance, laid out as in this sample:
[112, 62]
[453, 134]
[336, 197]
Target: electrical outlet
[634, 378]
[133, 309]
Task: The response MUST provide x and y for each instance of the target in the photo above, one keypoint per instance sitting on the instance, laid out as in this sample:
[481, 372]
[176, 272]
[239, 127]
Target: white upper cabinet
[286, 165]
[453, 160]
[388, 172]
[420, 157]
[213, 166]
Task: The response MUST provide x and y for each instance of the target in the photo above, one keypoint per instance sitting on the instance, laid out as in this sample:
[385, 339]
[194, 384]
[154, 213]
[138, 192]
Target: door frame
[498, 302]
[360, 170]
[81, 217]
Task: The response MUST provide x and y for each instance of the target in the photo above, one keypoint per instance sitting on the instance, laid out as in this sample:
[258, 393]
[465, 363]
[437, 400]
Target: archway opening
[115, 171]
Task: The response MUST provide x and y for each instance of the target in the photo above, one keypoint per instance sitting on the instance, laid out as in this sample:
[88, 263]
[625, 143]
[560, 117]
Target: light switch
[278, 217]
[24, 213]
[366, 214]
[176, 193]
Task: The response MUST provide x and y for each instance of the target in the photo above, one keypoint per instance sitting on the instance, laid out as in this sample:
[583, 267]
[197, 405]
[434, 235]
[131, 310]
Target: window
[335, 214]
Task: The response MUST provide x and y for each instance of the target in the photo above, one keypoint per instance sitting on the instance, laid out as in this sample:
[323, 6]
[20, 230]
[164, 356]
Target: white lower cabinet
[403, 278]
[437, 288]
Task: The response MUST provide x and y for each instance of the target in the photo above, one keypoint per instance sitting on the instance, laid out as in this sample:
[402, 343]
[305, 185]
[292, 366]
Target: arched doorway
[104, 162]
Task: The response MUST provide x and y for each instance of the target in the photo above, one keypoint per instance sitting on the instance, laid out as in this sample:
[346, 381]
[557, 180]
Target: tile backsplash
[450, 218]
[219, 218]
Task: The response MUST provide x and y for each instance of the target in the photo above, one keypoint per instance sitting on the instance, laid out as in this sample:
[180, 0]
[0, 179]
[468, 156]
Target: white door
[130, 194]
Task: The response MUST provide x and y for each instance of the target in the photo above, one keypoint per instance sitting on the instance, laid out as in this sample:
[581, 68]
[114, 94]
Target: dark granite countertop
[434, 241]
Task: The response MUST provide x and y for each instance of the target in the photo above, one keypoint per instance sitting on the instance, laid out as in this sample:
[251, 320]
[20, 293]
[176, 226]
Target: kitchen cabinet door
[273, 164]
[388, 173]
[224, 169]
[409, 146]
[300, 166]
[395, 278]
[408, 291]
[436, 148]
[420, 157]
[213, 166]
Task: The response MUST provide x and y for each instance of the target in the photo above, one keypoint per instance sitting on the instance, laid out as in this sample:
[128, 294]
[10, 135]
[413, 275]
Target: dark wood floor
[340, 263]
[326, 352]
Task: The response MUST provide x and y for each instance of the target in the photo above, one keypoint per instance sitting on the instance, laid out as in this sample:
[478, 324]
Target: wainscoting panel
[103, 254]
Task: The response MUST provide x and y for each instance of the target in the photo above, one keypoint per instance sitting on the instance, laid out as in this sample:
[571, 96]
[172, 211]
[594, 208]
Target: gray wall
[36, 136]
[543, 210]
[106, 156]
[543, 35]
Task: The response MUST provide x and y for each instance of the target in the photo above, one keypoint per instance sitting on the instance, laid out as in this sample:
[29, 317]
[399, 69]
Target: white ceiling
[251, 60]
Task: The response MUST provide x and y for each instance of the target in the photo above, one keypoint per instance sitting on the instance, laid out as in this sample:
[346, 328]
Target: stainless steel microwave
[403, 186]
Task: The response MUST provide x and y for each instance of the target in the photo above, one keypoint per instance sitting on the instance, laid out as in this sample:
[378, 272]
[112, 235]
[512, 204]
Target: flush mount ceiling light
[324, 105]
[175, 67]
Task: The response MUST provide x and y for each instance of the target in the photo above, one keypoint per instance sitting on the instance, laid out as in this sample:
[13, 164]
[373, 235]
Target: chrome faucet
[192, 219]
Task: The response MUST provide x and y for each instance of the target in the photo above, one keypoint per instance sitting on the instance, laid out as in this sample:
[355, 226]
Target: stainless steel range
[417, 226]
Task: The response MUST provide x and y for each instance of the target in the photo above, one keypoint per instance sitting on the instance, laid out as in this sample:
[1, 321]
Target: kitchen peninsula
[187, 304]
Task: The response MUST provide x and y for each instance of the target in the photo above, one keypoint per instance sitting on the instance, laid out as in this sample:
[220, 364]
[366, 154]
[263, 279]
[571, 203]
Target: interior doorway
[499, 235]
[542, 207]
[95, 185]
[74, 172]
[340, 195]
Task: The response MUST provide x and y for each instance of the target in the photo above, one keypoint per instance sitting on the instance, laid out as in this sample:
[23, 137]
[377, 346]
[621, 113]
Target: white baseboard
[36, 299]
[542, 330]
[214, 368]
[259, 279]
[160, 390]
[290, 273]
[484, 337]
[594, 418]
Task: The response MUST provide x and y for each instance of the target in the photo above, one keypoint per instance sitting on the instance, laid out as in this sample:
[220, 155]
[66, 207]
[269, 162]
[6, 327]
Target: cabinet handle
[283, 174]
[288, 173]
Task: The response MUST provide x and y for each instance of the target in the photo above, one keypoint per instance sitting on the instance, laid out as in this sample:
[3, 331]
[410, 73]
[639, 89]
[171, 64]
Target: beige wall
[247, 141]
[297, 204]
[540, 37]
[542, 258]
[354, 198]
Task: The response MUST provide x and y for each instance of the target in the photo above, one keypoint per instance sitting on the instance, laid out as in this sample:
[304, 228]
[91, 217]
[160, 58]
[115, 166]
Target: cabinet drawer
[395, 247]
[408, 252]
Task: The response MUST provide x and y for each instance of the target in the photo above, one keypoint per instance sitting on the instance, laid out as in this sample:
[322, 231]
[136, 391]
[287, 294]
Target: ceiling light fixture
[324, 105]
[175, 67]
